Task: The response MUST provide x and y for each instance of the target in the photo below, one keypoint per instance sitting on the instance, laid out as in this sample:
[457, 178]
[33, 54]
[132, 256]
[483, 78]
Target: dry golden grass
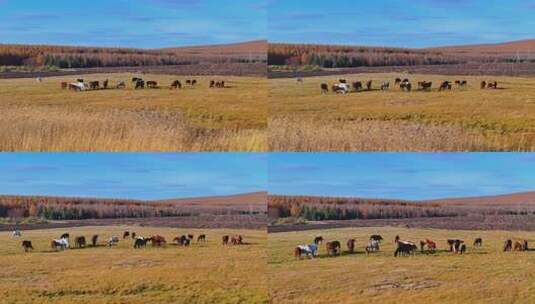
[302, 119]
[202, 273]
[42, 117]
[483, 275]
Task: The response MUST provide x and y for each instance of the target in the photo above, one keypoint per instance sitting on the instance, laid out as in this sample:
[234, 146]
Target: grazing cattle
[78, 86]
[190, 236]
[64, 85]
[80, 242]
[376, 237]
[157, 240]
[105, 84]
[478, 242]
[193, 82]
[152, 84]
[188, 81]
[446, 85]
[373, 245]
[140, 84]
[133, 235]
[492, 85]
[310, 251]
[369, 85]
[431, 246]
[425, 85]
[176, 85]
[324, 88]
[405, 248]
[461, 83]
[236, 240]
[135, 79]
[385, 86]
[397, 81]
[126, 234]
[64, 236]
[225, 239]
[342, 81]
[93, 85]
[220, 84]
[62, 244]
[396, 239]
[140, 242]
[114, 240]
[351, 245]
[94, 240]
[462, 249]
[357, 86]
[182, 240]
[405, 86]
[121, 85]
[318, 240]
[333, 248]
[27, 245]
[212, 84]
[201, 237]
[454, 244]
[508, 245]
[342, 88]
[483, 84]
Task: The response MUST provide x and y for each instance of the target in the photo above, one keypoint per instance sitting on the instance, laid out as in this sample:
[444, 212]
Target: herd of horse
[63, 243]
[403, 247]
[344, 87]
[137, 83]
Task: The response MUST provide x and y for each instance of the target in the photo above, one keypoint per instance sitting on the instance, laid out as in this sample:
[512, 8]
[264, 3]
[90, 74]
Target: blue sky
[134, 175]
[400, 175]
[414, 23]
[131, 23]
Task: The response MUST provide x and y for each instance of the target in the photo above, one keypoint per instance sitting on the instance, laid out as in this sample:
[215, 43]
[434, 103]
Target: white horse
[62, 243]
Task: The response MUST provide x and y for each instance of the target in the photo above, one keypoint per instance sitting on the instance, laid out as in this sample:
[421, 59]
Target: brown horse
[27, 245]
[176, 85]
[126, 234]
[508, 245]
[190, 236]
[201, 237]
[478, 242]
[351, 245]
[318, 240]
[483, 84]
[431, 246]
[225, 239]
[324, 88]
[236, 240]
[157, 240]
[94, 240]
[333, 248]
[80, 242]
[357, 86]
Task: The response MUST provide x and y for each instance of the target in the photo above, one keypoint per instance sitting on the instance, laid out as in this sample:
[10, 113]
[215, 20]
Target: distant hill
[524, 47]
[254, 47]
[527, 198]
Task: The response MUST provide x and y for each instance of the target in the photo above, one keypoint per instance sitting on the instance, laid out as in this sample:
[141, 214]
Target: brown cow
[176, 85]
[425, 85]
[201, 237]
[351, 245]
[357, 86]
[483, 84]
[446, 85]
[318, 240]
[157, 240]
[126, 234]
[478, 242]
[105, 84]
[80, 241]
[333, 248]
[225, 239]
[152, 84]
[324, 88]
[236, 240]
[93, 85]
[27, 245]
[94, 240]
[508, 245]
[397, 81]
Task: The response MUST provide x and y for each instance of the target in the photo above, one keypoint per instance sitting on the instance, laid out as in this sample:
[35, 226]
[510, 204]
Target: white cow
[341, 88]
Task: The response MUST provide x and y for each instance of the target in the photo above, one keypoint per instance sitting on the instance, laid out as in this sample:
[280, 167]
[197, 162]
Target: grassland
[202, 273]
[483, 275]
[42, 117]
[302, 119]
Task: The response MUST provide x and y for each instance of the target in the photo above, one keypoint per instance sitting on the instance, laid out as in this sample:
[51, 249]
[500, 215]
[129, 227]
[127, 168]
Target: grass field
[202, 273]
[302, 119]
[42, 117]
[483, 275]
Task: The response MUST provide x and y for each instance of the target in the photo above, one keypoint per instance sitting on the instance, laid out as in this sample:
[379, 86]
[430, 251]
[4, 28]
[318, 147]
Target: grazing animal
[157, 240]
[462, 249]
[64, 85]
[140, 84]
[94, 240]
[373, 245]
[121, 85]
[357, 86]
[126, 234]
[342, 88]
[188, 81]
[351, 245]
[114, 240]
[478, 242]
[396, 239]
[78, 86]
[309, 251]
[140, 242]
[461, 83]
[152, 84]
[318, 240]
[342, 81]
[135, 79]
[27, 245]
[385, 86]
[324, 88]
[80, 241]
[93, 85]
[193, 82]
[508, 245]
[62, 244]
[518, 246]
[225, 239]
[492, 85]
[483, 84]
[405, 248]
[333, 248]
[376, 237]
[176, 85]
[369, 85]
[133, 235]
[105, 84]
[64, 236]
[236, 240]
[190, 236]
[397, 81]
[405, 86]
[446, 85]
[212, 84]
[431, 246]
[425, 85]
[201, 237]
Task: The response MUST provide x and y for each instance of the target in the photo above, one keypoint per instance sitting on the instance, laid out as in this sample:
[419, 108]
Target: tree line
[335, 208]
[329, 56]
